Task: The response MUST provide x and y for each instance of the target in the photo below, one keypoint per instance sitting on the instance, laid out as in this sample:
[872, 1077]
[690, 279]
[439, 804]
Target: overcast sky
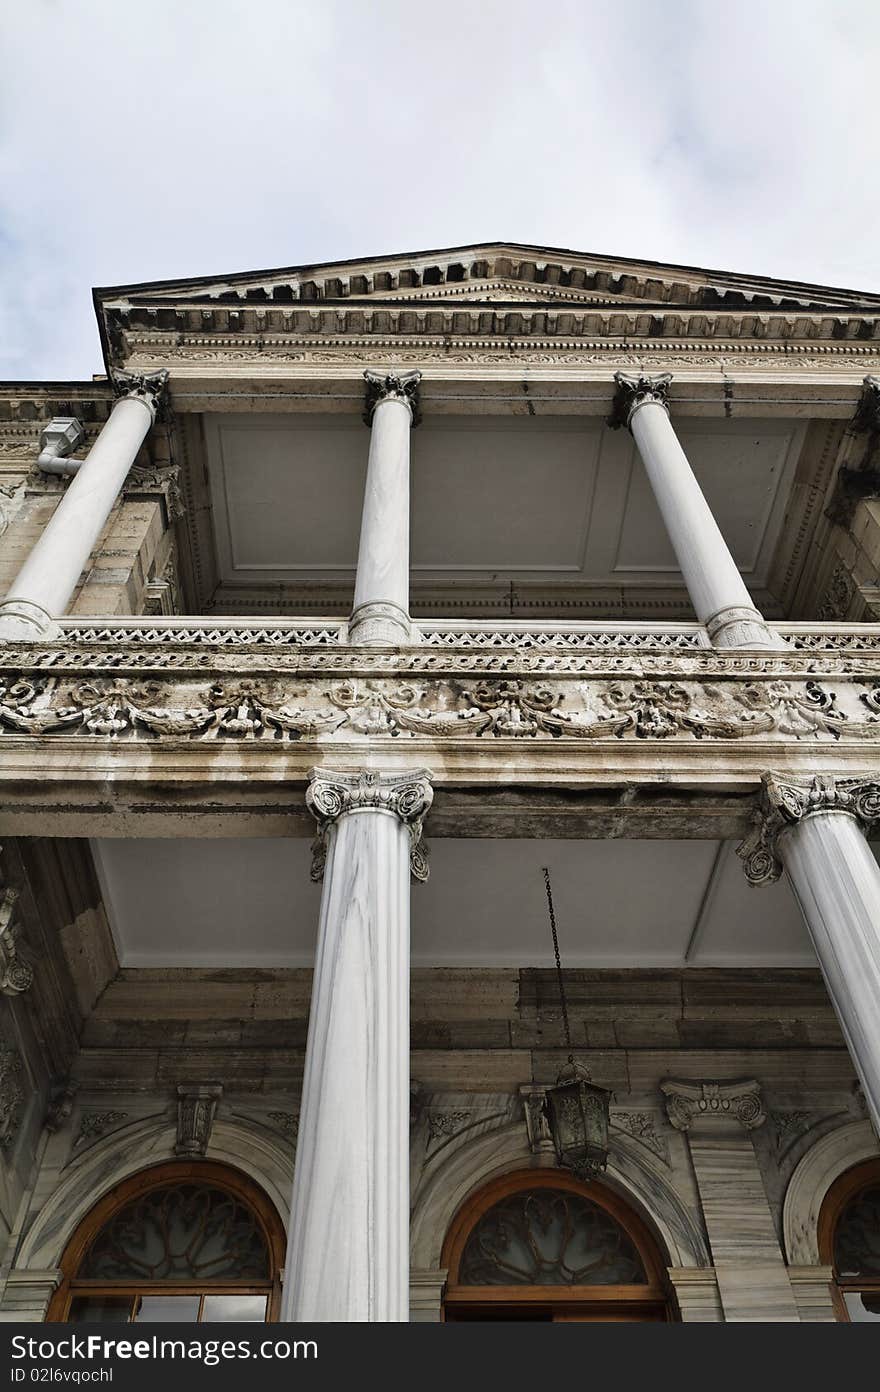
[143, 141]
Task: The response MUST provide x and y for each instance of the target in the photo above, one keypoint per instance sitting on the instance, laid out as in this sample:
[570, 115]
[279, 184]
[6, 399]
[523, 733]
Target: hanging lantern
[577, 1114]
[577, 1111]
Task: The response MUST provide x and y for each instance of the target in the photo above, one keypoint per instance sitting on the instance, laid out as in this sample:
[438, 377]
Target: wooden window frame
[844, 1189]
[211, 1172]
[650, 1301]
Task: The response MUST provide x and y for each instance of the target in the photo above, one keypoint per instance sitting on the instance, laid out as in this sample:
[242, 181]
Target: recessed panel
[502, 495]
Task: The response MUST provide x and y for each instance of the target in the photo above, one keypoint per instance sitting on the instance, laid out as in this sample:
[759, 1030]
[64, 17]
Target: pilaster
[718, 1118]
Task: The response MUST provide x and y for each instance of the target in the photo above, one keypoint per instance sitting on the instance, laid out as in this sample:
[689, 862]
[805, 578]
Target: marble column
[718, 1118]
[716, 588]
[348, 1253]
[380, 614]
[44, 587]
[814, 830]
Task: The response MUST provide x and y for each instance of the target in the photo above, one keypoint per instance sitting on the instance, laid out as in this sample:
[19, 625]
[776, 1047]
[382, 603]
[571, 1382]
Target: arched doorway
[541, 1245]
[190, 1241]
[849, 1241]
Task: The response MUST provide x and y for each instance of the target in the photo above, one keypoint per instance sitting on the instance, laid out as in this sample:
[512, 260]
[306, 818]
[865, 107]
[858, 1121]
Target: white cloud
[146, 143]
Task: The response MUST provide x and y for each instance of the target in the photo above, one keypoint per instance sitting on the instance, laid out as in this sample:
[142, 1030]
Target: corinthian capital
[687, 1102]
[783, 802]
[867, 413]
[392, 386]
[149, 387]
[407, 795]
[634, 391]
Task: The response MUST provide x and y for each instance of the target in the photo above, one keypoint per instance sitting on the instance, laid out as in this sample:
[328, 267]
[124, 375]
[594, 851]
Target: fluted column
[716, 588]
[814, 830]
[381, 595]
[348, 1253]
[44, 587]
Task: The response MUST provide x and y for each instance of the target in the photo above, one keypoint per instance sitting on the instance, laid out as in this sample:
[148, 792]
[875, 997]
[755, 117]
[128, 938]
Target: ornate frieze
[784, 801]
[687, 1102]
[16, 975]
[333, 795]
[196, 1109]
[285, 708]
[392, 386]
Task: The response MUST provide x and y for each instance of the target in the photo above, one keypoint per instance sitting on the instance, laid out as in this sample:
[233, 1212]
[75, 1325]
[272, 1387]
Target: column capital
[688, 1102]
[783, 802]
[392, 386]
[406, 795]
[632, 391]
[867, 413]
[149, 387]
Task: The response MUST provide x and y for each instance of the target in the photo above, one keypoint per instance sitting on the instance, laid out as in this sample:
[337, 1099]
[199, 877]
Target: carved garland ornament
[246, 709]
[783, 802]
[408, 795]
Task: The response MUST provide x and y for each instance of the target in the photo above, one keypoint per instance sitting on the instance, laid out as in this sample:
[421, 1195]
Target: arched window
[540, 1245]
[196, 1242]
[849, 1241]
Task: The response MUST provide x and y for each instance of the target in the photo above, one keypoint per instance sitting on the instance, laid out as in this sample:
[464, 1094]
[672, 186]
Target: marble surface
[383, 554]
[836, 880]
[50, 573]
[348, 1250]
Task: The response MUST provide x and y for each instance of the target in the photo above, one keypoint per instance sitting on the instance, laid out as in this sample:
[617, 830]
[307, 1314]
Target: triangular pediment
[490, 273]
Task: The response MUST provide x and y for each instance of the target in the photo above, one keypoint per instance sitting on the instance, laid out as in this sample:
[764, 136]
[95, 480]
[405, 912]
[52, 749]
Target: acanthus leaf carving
[785, 801]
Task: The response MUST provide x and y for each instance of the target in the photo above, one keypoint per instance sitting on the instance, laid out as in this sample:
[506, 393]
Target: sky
[142, 142]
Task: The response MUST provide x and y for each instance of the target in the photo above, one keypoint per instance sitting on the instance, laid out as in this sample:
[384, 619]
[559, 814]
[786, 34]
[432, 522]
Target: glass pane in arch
[549, 1237]
[857, 1237]
[179, 1232]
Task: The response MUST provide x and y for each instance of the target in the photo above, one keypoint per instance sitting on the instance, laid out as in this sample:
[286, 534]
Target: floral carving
[11, 1094]
[93, 1125]
[16, 975]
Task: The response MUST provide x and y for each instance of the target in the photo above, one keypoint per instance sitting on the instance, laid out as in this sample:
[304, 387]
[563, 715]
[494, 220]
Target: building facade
[350, 600]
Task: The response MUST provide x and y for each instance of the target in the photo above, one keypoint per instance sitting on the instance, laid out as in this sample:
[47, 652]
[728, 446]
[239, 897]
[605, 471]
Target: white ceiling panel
[554, 498]
[619, 903]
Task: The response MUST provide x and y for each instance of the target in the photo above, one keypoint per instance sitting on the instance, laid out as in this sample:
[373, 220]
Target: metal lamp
[577, 1111]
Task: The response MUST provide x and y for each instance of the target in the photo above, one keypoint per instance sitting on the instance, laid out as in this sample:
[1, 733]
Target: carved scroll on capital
[866, 418]
[783, 802]
[16, 975]
[392, 386]
[149, 387]
[633, 391]
[408, 795]
[687, 1102]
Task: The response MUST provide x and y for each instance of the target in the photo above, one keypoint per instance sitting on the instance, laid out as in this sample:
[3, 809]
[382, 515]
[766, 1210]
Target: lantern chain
[559, 976]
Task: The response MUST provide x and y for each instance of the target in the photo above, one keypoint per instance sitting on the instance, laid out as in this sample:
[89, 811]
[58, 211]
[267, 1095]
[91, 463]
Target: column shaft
[837, 883]
[716, 588]
[381, 596]
[45, 584]
[348, 1253]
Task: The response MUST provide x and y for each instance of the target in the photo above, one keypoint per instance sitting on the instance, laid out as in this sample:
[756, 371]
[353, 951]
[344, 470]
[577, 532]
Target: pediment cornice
[491, 292]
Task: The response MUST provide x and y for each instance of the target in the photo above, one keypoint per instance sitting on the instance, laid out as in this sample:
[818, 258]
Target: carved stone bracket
[535, 1113]
[16, 975]
[783, 802]
[633, 391]
[687, 1102]
[149, 387]
[196, 1108]
[408, 796]
[392, 386]
[62, 1096]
